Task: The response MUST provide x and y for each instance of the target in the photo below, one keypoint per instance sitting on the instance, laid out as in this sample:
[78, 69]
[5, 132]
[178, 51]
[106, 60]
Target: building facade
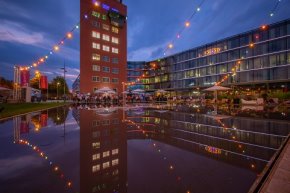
[134, 71]
[103, 45]
[257, 58]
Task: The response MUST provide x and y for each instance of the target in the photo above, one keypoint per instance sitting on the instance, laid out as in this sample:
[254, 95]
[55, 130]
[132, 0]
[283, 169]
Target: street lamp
[57, 90]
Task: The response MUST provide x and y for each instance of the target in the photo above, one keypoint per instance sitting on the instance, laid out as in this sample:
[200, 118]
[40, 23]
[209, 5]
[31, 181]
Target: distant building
[135, 71]
[103, 45]
[76, 85]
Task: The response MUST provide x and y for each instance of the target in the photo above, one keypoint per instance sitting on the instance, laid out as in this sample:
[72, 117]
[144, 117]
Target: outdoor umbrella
[125, 92]
[161, 91]
[215, 89]
[138, 91]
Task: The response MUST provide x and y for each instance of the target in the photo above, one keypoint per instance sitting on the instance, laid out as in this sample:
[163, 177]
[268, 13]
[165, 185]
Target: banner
[43, 82]
[24, 77]
[43, 119]
[24, 127]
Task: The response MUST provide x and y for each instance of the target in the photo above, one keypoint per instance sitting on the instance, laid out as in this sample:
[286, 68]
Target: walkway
[279, 179]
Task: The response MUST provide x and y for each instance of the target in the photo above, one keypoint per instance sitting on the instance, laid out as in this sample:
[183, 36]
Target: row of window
[105, 79]
[105, 165]
[105, 37]
[97, 156]
[97, 57]
[105, 122]
[105, 48]
[275, 32]
[97, 68]
[106, 27]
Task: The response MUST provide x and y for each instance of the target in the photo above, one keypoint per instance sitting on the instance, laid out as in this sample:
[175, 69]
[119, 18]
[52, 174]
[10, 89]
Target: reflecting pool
[142, 149]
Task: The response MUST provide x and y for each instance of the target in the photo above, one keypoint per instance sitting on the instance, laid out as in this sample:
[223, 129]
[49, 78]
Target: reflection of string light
[42, 155]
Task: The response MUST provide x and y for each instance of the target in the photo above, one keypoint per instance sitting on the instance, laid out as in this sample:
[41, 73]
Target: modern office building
[103, 45]
[134, 71]
[76, 85]
[259, 58]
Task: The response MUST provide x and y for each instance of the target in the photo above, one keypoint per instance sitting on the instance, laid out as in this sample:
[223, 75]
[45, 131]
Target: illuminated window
[96, 156]
[115, 40]
[115, 151]
[104, 17]
[115, 30]
[106, 48]
[106, 27]
[106, 165]
[106, 154]
[106, 79]
[96, 35]
[106, 58]
[115, 50]
[96, 168]
[115, 80]
[96, 145]
[115, 162]
[106, 69]
[96, 68]
[96, 46]
[96, 57]
[106, 37]
[96, 14]
[115, 70]
[115, 60]
[95, 79]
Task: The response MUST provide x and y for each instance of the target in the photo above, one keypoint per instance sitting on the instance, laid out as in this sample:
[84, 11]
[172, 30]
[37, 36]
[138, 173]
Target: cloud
[12, 8]
[16, 33]
[145, 53]
[135, 30]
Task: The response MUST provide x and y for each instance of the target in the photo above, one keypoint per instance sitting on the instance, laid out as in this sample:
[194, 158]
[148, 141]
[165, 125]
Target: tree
[6, 83]
[57, 85]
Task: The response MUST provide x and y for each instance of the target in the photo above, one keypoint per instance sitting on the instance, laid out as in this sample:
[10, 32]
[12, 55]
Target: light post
[64, 71]
[57, 90]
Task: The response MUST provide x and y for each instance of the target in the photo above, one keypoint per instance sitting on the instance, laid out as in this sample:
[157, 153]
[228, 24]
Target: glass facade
[263, 56]
[135, 71]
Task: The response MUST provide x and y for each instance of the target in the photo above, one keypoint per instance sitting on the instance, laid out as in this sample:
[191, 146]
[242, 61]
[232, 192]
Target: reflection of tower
[103, 151]
[16, 128]
[16, 86]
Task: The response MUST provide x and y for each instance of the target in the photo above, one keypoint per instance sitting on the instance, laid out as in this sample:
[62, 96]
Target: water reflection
[136, 149]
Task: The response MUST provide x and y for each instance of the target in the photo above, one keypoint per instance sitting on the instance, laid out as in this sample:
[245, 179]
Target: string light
[198, 9]
[56, 48]
[187, 24]
[170, 46]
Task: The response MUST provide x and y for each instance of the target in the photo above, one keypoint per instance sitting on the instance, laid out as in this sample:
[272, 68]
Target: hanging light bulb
[170, 46]
[271, 14]
[69, 35]
[198, 9]
[187, 24]
[56, 48]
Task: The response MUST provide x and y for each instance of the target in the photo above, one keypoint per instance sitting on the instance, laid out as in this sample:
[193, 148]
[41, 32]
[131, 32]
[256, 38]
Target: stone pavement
[279, 179]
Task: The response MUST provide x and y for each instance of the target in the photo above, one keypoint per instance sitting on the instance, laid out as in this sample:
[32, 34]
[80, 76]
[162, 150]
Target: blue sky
[30, 28]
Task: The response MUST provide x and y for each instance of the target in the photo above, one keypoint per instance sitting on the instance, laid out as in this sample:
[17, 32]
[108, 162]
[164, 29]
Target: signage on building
[24, 77]
[43, 82]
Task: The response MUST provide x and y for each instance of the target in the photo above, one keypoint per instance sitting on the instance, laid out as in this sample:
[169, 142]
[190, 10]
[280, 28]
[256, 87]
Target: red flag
[24, 77]
[43, 82]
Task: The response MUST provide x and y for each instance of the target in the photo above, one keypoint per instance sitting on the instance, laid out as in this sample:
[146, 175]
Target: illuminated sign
[212, 51]
[213, 150]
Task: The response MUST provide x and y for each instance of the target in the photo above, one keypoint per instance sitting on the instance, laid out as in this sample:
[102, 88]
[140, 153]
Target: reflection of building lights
[213, 150]
[56, 168]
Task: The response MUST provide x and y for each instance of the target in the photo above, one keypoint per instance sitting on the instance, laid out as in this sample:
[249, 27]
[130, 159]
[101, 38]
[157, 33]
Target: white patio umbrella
[215, 89]
[105, 89]
[111, 92]
[161, 91]
[138, 91]
[125, 92]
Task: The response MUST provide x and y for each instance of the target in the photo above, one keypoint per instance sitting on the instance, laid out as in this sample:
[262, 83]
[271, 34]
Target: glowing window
[115, 151]
[96, 145]
[115, 50]
[96, 57]
[96, 35]
[106, 165]
[106, 48]
[96, 168]
[115, 162]
[96, 46]
[115, 30]
[96, 68]
[96, 156]
[115, 40]
[106, 37]
[106, 153]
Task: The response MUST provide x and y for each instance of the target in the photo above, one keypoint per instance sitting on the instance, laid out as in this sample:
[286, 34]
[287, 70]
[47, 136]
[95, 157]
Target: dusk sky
[30, 28]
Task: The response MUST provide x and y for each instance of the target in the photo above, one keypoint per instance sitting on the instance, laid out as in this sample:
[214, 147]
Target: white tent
[105, 90]
[4, 89]
[215, 89]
